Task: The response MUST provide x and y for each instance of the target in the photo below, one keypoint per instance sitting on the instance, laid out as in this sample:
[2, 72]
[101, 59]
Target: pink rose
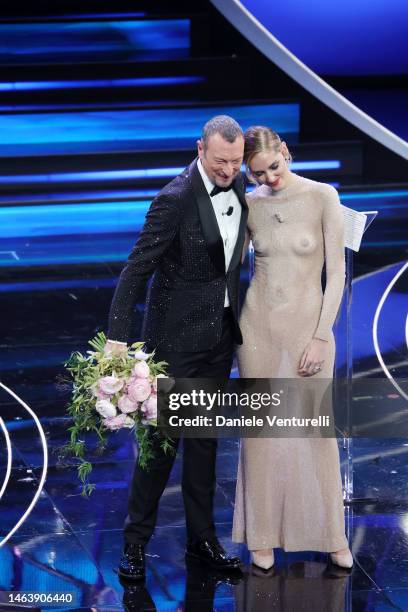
[122, 420]
[110, 384]
[96, 392]
[127, 405]
[129, 381]
[149, 408]
[139, 390]
[141, 370]
[105, 408]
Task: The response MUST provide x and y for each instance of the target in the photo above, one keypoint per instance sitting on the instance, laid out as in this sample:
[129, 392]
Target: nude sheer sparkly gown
[289, 492]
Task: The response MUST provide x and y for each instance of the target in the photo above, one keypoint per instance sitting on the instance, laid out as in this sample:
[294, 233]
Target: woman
[289, 491]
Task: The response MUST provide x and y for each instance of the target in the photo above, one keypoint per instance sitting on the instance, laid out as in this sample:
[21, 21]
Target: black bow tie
[216, 190]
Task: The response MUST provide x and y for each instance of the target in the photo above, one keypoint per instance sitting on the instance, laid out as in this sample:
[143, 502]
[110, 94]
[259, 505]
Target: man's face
[221, 159]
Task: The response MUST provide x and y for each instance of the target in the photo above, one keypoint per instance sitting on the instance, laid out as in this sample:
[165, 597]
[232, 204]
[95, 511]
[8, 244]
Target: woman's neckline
[282, 193]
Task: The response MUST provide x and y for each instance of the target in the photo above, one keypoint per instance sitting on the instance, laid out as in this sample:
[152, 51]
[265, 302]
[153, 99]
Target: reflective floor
[71, 545]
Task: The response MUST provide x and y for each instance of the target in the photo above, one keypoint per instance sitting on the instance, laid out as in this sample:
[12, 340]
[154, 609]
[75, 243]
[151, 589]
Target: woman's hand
[313, 357]
[116, 349]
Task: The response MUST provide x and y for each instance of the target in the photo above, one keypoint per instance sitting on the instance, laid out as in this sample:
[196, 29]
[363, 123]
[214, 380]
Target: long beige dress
[289, 492]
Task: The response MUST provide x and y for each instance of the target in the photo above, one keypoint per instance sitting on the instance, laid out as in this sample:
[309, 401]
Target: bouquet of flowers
[112, 392]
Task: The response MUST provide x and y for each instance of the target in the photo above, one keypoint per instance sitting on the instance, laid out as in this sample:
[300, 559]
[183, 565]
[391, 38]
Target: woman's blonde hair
[259, 139]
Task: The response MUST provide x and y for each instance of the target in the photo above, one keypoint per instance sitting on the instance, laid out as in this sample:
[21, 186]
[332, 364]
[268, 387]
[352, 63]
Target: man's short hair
[224, 125]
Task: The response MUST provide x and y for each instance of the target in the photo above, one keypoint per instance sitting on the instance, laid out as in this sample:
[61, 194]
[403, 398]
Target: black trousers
[199, 455]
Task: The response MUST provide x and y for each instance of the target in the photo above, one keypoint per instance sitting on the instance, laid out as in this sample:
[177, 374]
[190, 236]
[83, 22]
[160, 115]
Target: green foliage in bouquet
[95, 409]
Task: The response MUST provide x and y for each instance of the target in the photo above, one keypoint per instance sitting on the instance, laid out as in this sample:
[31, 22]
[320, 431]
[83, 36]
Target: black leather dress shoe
[199, 574]
[212, 553]
[132, 564]
[136, 597]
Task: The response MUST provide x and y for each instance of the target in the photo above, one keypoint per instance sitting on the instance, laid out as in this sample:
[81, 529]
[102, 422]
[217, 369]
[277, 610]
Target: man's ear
[200, 148]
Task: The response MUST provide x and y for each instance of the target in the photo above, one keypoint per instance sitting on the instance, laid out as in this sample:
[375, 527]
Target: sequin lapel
[208, 219]
[240, 191]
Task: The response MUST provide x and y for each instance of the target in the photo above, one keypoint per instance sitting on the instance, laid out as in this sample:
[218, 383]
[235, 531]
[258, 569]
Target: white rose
[142, 356]
[128, 422]
[110, 384]
[105, 408]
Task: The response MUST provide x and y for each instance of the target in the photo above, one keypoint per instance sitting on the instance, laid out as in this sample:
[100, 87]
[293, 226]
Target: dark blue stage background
[101, 104]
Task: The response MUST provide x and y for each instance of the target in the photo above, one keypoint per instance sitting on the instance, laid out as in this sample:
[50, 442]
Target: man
[192, 241]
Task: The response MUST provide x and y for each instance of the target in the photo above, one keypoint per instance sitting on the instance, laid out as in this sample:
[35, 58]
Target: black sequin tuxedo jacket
[180, 244]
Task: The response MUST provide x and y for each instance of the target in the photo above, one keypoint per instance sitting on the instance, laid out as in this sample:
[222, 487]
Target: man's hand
[115, 348]
[313, 357]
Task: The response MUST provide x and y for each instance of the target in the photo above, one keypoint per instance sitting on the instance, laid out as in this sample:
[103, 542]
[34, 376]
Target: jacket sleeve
[160, 227]
[333, 235]
[247, 240]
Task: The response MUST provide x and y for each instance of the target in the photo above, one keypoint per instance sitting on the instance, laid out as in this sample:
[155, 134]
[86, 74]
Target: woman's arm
[333, 235]
[314, 354]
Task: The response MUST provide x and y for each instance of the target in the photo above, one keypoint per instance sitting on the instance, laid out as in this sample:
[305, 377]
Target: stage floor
[69, 544]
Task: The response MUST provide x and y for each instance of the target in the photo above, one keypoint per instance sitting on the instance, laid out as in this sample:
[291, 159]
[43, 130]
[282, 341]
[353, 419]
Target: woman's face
[269, 168]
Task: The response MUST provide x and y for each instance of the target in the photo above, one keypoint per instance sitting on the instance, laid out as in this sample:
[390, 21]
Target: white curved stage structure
[266, 43]
[9, 458]
[9, 452]
[380, 358]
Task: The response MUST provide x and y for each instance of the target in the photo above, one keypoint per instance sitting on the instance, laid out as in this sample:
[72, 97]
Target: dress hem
[333, 546]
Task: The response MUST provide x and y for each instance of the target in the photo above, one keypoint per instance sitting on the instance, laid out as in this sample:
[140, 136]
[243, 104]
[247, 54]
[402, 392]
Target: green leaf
[87, 490]
[84, 469]
[98, 343]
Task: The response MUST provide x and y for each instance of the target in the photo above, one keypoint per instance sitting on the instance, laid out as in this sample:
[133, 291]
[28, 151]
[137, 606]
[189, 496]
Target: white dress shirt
[228, 225]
